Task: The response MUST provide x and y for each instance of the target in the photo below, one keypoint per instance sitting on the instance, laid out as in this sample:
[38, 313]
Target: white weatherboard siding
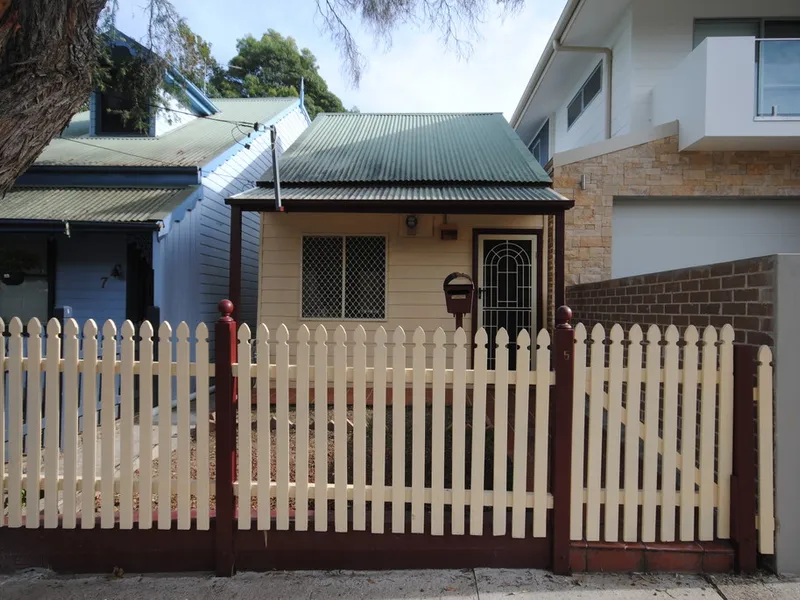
[82, 260]
[236, 174]
[590, 126]
[167, 120]
[663, 35]
[652, 234]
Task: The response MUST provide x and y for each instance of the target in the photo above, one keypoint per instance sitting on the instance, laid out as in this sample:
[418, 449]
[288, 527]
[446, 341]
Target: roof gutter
[42, 226]
[562, 26]
[608, 65]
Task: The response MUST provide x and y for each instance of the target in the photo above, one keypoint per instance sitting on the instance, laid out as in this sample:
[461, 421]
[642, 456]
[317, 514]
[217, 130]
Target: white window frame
[344, 277]
[585, 105]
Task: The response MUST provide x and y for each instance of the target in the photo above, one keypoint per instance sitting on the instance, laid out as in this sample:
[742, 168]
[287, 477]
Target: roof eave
[567, 15]
[452, 207]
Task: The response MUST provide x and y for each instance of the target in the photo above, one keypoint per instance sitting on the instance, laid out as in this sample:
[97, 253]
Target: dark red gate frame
[226, 549]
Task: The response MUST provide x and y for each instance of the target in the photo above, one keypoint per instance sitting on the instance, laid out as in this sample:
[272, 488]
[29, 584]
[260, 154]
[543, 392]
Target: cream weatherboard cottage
[376, 210]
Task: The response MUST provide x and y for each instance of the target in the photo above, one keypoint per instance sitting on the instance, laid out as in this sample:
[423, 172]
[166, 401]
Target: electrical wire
[249, 182]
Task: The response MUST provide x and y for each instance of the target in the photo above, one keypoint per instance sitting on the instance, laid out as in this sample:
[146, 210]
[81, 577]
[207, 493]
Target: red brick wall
[738, 292]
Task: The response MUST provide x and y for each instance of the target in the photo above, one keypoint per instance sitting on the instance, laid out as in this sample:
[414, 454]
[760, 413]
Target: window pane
[593, 86]
[540, 146]
[574, 109]
[322, 277]
[365, 279]
[23, 277]
[782, 29]
[721, 28]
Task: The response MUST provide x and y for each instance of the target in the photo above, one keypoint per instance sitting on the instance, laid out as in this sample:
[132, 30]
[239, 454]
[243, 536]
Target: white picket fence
[389, 371]
[635, 402]
[94, 473]
[674, 422]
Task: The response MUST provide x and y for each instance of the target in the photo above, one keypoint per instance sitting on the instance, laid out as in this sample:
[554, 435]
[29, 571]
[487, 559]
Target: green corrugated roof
[87, 204]
[193, 144]
[416, 193]
[409, 148]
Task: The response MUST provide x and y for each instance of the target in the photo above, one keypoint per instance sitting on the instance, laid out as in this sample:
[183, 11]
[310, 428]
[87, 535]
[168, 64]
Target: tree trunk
[47, 51]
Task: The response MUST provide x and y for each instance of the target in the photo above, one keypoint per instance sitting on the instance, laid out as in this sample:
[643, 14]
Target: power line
[249, 182]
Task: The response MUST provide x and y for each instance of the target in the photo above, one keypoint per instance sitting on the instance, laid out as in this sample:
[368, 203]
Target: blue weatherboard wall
[82, 260]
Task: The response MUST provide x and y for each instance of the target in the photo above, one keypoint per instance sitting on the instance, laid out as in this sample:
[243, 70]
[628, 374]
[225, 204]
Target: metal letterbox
[459, 293]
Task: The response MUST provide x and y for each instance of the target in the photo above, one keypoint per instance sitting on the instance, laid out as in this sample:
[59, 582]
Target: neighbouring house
[376, 210]
[111, 221]
[675, 126]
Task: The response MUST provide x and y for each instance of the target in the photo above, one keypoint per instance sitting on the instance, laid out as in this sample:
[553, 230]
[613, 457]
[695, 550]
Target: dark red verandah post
[561, 457]
[225, 356]
[743, 480]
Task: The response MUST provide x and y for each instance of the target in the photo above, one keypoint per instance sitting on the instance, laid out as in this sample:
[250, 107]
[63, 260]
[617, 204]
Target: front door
[507, 288]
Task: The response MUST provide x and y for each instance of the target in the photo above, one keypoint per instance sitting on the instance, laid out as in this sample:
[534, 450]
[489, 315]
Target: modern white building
[676, 128]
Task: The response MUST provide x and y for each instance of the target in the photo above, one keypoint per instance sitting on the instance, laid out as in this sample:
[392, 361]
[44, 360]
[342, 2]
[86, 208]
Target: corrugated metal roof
[194, 144]
[399, 193]
[107, 205]
[407, 148]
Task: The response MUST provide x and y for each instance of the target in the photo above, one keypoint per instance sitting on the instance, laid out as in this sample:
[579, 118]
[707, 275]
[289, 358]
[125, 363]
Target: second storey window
[540, 146]
[588, 92]
[344, 277]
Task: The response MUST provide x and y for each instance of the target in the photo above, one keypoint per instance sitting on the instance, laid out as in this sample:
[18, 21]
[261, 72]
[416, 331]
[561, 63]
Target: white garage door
[655, 234]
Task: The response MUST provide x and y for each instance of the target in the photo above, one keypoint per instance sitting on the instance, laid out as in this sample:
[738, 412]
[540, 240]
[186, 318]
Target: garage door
[651, 234]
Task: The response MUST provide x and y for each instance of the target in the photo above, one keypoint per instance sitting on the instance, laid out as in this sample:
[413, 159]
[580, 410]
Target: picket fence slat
[458, 455]
[766, 480]
[438, 434]
[108, 434]
[263, 428]
[613, 434]
[688, 429]
[633, 404]
[725, 450]
[127, 353]
[89, 445]
[651, 416]
[500, 452]
[340, 430]
[520, 459]
[164, 425]
[594, 451]
[320, 427]
[360, 431]
[201, 427]
[418, 407]
[708, 409]
[398, 430]
[670, 435]
[379, 433]
[478, 441]
[301, 429]
[578, 433]
[542, 423]
[183, 385]
[244, 450]
[33, 418]
[52, 416]
[281, 430]
[146, 427]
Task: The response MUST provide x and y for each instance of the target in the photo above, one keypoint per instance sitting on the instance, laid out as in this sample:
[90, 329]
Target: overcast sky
[418, 73]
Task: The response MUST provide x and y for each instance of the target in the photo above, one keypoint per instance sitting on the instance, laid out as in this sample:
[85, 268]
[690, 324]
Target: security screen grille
[344, 277]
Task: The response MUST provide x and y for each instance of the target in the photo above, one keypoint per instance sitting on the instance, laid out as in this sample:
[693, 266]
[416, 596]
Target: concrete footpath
[478, 584]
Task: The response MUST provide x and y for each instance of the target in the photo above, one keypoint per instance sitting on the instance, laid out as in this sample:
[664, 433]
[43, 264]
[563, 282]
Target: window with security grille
[344, 277]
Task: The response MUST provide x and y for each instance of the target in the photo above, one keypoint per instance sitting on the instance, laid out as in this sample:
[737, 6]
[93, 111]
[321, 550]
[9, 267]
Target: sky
[418, 73]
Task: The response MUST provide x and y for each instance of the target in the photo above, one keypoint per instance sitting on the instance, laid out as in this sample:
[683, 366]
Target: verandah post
[743, 480]
[225, 396]
[561, 451]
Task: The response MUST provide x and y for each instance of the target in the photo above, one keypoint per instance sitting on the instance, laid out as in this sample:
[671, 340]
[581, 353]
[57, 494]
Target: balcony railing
[779, 78]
